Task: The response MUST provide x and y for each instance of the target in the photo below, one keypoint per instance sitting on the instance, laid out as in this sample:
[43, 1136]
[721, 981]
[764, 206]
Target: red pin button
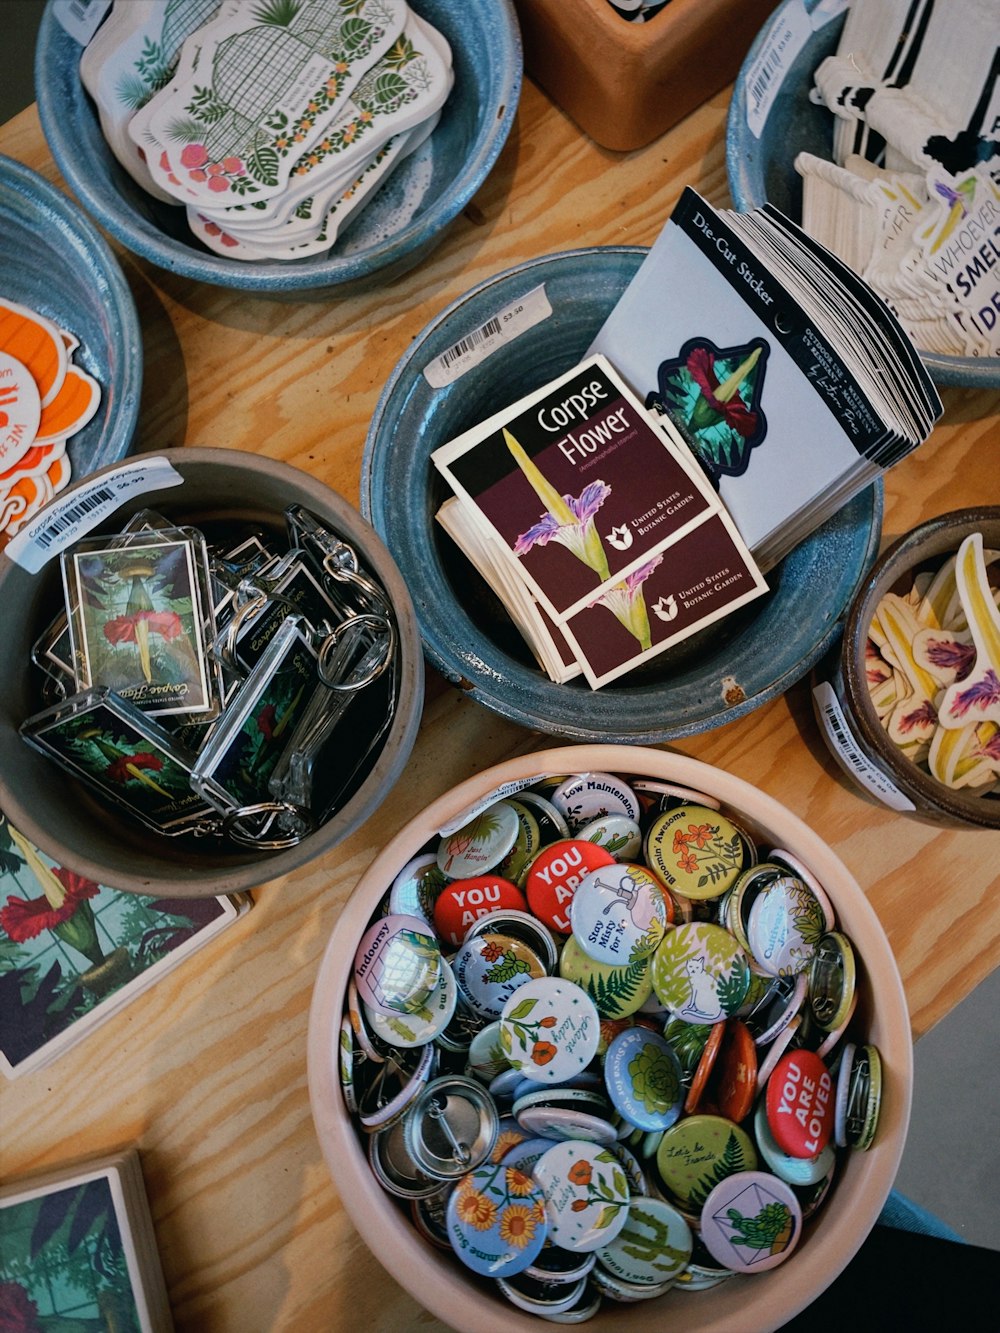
[464, 901]
[800, 1104]
[554, 875]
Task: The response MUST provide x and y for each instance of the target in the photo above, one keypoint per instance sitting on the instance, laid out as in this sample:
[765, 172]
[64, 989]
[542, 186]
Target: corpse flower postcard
[588, 499]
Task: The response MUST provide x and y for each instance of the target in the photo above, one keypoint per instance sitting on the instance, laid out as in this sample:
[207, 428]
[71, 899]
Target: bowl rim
[431, 1276]
[122, 316]
[485, 686]
[933, 537]
[374, 790]
[275, 277]
[748, 193]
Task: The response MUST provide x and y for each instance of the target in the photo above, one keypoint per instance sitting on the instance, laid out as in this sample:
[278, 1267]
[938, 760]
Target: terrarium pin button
[751, 1222]
[397, 965]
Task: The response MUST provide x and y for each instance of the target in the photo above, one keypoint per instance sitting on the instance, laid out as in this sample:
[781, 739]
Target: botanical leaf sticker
[522, 1010]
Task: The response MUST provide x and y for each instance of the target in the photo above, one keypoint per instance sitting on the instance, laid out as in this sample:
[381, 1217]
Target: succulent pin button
[585, 797]
[617, 834]
[586, 1195]
[644, 1079]
[695, 851]
[496, 1220]
[397, 965]
[653, 1247]
[700, 972]
[549, 1029]
[481, 844]
[490, 967]
[751, 1222]
[619, 914]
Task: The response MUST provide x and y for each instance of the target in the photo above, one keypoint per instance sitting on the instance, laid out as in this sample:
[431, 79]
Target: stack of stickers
[44, 400]
[595, 526]
[911, 200]
[79, 1249]
[272, 123]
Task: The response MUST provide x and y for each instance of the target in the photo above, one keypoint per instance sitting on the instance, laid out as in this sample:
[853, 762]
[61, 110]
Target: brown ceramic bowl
[863, 1180]
[94, 839]
[925, 547]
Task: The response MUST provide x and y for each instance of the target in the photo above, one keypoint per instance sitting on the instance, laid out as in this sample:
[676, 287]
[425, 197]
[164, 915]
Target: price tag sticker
[506, 325]
[845, 749]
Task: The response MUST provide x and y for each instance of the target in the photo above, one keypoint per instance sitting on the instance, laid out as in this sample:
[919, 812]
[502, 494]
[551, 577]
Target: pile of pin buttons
[932, 664]
[602, 1048]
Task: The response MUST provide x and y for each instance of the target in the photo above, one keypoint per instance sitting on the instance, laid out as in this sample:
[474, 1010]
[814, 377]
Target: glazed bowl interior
[389, 236]
[465, 1302]
[924, 548]
[219, 487]
[713, 677]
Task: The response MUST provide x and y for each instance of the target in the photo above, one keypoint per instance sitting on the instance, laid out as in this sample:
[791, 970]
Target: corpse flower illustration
[627, 604]
[125, 766]
[567, 520]
[141, 619]
[713, 395]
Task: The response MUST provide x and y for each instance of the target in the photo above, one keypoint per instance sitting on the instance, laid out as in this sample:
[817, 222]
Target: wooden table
[206, 1073]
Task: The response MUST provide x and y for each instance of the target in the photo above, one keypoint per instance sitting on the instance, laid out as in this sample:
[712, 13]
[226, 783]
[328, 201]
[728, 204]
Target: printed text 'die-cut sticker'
[66, 521]
[506, 325]
[20, 410]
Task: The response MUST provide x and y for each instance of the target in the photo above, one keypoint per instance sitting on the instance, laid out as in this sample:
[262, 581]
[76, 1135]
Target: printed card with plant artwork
[78, 1251]
[74, 952]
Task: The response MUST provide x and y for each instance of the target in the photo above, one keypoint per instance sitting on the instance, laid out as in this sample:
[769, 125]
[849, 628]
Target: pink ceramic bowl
[862, 1184]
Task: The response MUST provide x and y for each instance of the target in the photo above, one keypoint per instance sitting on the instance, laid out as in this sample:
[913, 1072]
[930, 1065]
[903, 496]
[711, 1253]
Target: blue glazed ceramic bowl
[486, 51]
[53, 260]
[712, 678]
[761, 169]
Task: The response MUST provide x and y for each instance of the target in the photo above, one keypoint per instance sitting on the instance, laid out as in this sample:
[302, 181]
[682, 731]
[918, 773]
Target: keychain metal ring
[332, 643]
[231, 825]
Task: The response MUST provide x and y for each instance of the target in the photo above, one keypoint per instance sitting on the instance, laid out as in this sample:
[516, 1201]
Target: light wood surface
[206, 1073]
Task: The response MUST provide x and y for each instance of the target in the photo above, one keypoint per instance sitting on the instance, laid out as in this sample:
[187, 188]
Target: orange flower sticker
[477, 1210]
[542, 1052]
[580, 1173]
[517, 1225]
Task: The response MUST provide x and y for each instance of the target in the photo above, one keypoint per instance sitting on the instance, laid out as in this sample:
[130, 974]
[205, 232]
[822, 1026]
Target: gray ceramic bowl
[486, 50]
[760, 170]
[55, 812]
[710, 679]
[925, 547]
[54, 260]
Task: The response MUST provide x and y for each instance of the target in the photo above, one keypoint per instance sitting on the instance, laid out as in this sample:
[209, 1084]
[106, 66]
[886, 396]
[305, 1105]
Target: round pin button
[654, 1246]
[496, 1221]
[394, 1167]
[564, 1122]
[586, 1195]
[617, 992]
[451, 1127]
[555, 874]
[617, 834]
[698, 1152]
[699, 1079]
[463, 901]
[585, 797]
[416, 887]
[832, 981]
[486, 1058]
[520, 926]
[550, 1029]
[347, 1056]
[423, 1024]
[751, 1222]
[385, 1091]
[800, 1104]
[659, 796]
[864, 1099]
[785, 927]
[618, 914]
[626, 1293]
[515, 864]
[734, 1079]
[397, 965]
[700, 972]
[798, 1171]
[540, 1296]
[695, 851]
[490, 967]
[551, 822]
[644, 1079]
[478, 846]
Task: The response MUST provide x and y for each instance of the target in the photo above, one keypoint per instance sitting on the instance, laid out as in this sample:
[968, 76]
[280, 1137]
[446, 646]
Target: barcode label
[789, 33]
[475, 347]
[843, 746]
[80, 18]
[66, 519]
